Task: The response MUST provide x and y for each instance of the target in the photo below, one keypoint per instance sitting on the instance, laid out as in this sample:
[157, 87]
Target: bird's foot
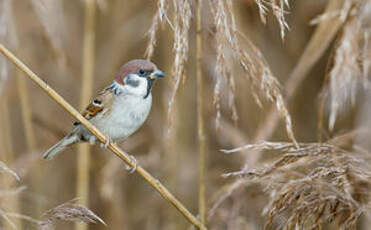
[107, 143]
[130, 168]
[92, 140]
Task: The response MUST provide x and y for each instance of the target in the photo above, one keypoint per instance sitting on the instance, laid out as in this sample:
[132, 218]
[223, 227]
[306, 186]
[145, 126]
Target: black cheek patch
[133, 83]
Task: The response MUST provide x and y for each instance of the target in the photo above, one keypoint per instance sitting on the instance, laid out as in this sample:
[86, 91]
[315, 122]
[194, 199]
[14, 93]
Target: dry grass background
[285, 94]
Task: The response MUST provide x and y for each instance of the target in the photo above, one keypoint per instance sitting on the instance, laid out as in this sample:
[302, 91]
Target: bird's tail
[61, 145]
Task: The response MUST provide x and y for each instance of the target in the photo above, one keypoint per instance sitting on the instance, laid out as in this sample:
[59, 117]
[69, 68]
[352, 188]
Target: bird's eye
[141, 71]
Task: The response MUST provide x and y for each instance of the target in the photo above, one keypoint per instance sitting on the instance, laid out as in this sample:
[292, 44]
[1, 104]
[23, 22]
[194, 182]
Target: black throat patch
[149, 86]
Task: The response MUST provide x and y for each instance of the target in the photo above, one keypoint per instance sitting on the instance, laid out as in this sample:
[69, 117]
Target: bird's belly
[119, 127]
[124, 120]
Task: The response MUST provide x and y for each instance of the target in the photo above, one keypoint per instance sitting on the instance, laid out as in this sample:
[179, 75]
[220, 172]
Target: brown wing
[100, 105]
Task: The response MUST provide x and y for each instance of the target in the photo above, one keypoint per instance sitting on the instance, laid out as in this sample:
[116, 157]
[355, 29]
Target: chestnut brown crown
[134, 66]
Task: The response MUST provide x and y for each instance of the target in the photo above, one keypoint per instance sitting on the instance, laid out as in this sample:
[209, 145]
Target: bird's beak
[156, 74]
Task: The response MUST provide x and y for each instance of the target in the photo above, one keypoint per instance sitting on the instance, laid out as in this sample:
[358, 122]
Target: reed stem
[200, 120]
[83, 156]
[26, 113]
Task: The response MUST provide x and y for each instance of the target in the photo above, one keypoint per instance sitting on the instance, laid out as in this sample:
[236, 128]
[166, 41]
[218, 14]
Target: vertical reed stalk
[36, 176]
[200, 121]
[171, 144]
[26, 112]
[171, 140]
[83, 156]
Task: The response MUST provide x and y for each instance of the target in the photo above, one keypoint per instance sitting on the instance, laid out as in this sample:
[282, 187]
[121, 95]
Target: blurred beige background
[48, 37]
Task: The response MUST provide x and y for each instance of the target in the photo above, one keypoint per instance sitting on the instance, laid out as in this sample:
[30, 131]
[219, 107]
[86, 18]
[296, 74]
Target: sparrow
[119, 110]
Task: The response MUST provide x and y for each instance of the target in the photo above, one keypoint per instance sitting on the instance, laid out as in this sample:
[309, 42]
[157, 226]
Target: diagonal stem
[155, 183]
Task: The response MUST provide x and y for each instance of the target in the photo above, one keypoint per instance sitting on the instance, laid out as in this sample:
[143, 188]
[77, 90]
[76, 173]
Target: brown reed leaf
[69, 211]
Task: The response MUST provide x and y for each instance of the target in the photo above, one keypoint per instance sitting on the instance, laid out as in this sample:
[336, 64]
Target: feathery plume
[278, 9]
[250, 59]
[352, 55]
[69, 211]
[161, 13]
[182, 22]
[332, 184]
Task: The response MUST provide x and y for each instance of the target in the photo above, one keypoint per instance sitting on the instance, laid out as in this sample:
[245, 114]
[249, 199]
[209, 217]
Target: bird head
[137, 77]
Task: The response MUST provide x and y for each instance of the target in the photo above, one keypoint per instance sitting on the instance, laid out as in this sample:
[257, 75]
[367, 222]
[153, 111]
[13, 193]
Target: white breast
[127, 116]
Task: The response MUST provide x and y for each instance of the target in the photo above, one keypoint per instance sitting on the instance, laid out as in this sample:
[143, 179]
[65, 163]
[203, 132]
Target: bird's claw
[107, 143]
[130, 168]
[92, 140]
